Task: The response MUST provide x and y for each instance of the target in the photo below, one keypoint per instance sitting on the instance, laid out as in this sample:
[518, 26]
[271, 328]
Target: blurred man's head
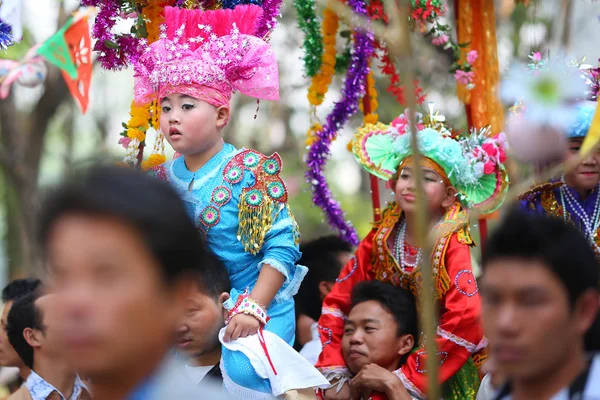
[32, 328]
[539, 294]
[198, 335]
[324, 257]
[14, 291]
[121, 251]
[381, 327]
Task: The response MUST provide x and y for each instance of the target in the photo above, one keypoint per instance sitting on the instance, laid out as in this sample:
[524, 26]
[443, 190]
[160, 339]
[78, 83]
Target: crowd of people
[133, 308]
[190, 280]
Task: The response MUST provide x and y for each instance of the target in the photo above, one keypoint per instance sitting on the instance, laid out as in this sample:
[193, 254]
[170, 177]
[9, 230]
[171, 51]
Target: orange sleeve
[459, 333]
[336, 307]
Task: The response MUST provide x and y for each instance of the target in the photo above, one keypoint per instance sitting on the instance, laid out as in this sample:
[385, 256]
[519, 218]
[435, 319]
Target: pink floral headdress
[208, 55]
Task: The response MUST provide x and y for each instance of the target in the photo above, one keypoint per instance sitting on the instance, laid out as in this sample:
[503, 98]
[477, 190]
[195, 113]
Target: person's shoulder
[21, 394]
[173, 384]
[592, 388]
[454, 227]
[536, 193]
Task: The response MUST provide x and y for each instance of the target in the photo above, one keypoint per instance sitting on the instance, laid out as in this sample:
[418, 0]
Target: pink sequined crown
[207, 55]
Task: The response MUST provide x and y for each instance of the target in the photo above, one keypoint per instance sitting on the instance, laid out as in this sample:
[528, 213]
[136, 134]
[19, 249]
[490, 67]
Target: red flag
[80, 47]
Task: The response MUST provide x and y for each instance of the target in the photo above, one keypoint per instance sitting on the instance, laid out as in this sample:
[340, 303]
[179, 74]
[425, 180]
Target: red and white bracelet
[248, 306]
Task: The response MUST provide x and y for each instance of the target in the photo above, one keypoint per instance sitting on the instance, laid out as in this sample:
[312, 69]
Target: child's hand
[240, 326]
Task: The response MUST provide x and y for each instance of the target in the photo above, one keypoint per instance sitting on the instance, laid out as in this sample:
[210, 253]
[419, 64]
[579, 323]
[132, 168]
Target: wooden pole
[375, 198]
[401, 49]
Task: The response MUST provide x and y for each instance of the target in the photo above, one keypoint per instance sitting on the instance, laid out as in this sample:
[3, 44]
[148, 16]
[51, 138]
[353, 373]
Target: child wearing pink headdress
[235, 196]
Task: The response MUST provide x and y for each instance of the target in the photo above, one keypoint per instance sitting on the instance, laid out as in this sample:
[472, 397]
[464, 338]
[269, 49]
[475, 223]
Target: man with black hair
[122, 254]
[198, 335]
[540, 296]
[32, 331]
[14, 291]
[381, 330]
[324, 257]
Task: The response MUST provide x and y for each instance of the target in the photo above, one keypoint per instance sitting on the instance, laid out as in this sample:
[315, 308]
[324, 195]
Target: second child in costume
[235, 196]
[574, 197]
[457, 173]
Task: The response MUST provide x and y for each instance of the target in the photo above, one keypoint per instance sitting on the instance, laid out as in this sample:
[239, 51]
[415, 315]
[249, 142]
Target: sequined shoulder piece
[456, 220]
[266, 171]
[536, 192]
[389, 215]
[260, 203]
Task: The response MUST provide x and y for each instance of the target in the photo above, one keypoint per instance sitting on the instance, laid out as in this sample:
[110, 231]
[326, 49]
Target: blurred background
[43, 134]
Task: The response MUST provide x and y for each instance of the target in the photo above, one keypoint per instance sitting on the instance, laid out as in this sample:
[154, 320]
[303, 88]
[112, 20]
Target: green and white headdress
[473, 164]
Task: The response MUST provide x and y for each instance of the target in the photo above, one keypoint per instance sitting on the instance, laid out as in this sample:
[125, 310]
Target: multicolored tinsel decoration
[118, 51]
[313, 41]
[592, 76]
[352, 91]
[268, 21]
[6, 38]
[115, 52]
[370, 115]
[321, 81]
[133, 138]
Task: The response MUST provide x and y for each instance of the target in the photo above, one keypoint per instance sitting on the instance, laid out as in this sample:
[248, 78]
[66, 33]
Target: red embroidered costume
[460, 335]
[473, 165]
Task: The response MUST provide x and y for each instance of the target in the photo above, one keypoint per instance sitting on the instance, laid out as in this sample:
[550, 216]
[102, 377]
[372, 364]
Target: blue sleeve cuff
[292, 283]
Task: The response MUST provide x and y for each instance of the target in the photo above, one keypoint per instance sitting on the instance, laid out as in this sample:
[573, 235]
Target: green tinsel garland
[313, 40]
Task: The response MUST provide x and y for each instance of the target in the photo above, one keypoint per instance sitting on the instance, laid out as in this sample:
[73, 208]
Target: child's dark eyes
[187, 106]
[166, 109]
[348, 331]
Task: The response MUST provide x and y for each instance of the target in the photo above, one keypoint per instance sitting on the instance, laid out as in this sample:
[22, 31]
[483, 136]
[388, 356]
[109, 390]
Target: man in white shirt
[15, 290]
[198, 335]
[32, 332]
[539, 297]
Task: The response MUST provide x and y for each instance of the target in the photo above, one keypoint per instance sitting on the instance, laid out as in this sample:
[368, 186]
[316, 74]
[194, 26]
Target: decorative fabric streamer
[318, 152]
[476, 25]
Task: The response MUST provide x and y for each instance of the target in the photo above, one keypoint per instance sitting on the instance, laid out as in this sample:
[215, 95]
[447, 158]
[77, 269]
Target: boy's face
[190, 125]
[8, 355]
[371, 337]
[199, 330]
[528, 319]
[114, 312]
[586, 175]
[437, 194]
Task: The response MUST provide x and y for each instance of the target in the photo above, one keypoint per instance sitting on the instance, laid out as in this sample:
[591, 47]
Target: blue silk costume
[548, 199]
[239, 203]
